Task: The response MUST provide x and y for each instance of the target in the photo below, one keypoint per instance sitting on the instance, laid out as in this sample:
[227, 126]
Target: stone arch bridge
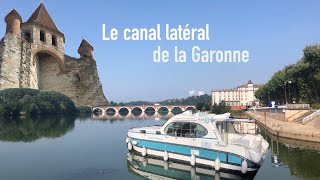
[144, 110]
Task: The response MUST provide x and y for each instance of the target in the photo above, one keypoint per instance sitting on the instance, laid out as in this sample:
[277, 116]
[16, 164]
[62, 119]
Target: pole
[285, 92]
[289, 91]
[265, 119]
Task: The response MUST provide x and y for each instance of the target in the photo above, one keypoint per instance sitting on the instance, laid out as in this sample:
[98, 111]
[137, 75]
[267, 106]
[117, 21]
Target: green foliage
[299, 82]
[220, 108]
[238, 112]
[315, 105]
[84, 110]
[192, 100]
[133, 103]
[34, 102]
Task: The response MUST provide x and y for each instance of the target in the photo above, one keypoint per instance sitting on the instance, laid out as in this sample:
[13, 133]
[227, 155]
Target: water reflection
[26, 129]
[300, 158]
[158, 169]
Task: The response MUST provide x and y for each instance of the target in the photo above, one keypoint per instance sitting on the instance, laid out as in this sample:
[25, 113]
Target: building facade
[243, 95]
[32, 56]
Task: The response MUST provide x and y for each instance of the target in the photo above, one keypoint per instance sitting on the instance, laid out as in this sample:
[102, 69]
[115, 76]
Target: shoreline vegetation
[295, 83]
[32, 102]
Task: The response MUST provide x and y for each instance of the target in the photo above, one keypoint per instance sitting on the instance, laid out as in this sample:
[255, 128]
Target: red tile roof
[240, 86]
[84, 43]
[13, 13]
[42, 17]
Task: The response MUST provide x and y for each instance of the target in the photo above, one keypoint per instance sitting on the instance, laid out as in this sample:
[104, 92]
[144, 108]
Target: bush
[33, 102]
[315, 105]
[238, 113]
[84, 110]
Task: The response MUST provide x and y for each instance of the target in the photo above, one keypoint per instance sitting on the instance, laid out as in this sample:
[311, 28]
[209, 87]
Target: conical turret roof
[14, 12]
[42, 17]
[85, 44]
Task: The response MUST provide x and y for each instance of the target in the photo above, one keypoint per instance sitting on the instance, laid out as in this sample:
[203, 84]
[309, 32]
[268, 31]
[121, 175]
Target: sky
[274, 32]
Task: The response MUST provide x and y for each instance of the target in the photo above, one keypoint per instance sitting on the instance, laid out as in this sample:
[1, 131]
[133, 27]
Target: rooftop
[240, 86]
[41, 16]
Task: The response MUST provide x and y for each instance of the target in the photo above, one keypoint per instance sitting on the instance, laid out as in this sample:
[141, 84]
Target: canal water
[82, 148]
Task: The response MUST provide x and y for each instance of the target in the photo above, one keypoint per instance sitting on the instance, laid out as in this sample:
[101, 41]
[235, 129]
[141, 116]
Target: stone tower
[13, 20]
[32, 56]
[85, 49]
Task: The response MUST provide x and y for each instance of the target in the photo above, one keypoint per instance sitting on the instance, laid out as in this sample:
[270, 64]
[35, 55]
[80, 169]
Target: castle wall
[21, 68]
[84, 70]
[44, 46]
[28, 67]
[10, 61]
[52, 77]
[31, 61]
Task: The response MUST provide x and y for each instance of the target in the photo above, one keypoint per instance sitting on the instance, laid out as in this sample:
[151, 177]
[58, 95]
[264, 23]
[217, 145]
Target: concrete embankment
[287, 129]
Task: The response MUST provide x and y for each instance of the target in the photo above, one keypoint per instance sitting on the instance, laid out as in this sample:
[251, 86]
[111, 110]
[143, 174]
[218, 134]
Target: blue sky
[274, 32]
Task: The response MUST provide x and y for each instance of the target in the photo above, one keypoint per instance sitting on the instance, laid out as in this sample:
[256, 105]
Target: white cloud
[192, 92]
[200, 93]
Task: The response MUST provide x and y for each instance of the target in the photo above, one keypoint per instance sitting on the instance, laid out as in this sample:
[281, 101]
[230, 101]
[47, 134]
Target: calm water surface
[81, 148]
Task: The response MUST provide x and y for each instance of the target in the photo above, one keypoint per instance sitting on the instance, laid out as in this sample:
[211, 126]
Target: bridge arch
[45, 67]
[176, 110]
[136, 111]
[97, 110]
[163, 110]
[123, 111]
[191, 108]
[111, 111]
[150, 111]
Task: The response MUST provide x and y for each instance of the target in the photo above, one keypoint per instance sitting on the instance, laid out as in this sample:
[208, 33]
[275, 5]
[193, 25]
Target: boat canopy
[204, 116]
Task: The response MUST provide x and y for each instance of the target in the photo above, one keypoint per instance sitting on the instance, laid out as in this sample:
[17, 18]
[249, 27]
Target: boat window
[198, 130]
[186, 129]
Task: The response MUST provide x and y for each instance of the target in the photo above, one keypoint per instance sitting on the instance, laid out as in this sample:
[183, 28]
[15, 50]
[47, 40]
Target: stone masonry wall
[85, 73]
[27, 67]
[10, 61]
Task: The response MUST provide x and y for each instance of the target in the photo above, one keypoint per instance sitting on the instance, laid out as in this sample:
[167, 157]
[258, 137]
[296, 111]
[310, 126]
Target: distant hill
[139, 103]
[192, 100]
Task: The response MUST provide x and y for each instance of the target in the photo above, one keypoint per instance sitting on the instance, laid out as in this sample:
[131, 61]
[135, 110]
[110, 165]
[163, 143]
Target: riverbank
[287, 129]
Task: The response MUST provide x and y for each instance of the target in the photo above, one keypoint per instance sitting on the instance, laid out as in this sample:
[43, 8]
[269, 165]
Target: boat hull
[183, 153]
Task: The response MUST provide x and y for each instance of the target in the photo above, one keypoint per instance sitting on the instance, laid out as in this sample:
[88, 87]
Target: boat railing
[311, 116]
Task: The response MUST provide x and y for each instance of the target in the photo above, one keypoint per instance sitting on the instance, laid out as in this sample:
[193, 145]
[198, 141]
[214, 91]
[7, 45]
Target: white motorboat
[201, 139]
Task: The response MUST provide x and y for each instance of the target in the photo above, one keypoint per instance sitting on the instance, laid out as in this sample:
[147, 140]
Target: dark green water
[81, 148]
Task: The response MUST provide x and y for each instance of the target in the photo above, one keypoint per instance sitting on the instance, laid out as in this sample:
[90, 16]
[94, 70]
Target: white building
[242, 95]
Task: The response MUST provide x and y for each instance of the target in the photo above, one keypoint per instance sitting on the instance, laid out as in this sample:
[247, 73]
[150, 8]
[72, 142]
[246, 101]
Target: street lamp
[289, 91]
[285, 92]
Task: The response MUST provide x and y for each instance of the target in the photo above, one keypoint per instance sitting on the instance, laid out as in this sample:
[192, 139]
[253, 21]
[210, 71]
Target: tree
[299, 81]
[312, 56]
[33, 102]
[220, 108]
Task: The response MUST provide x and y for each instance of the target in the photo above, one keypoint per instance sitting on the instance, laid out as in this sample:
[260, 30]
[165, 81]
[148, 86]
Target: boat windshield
[226, 127]
[226, 130]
